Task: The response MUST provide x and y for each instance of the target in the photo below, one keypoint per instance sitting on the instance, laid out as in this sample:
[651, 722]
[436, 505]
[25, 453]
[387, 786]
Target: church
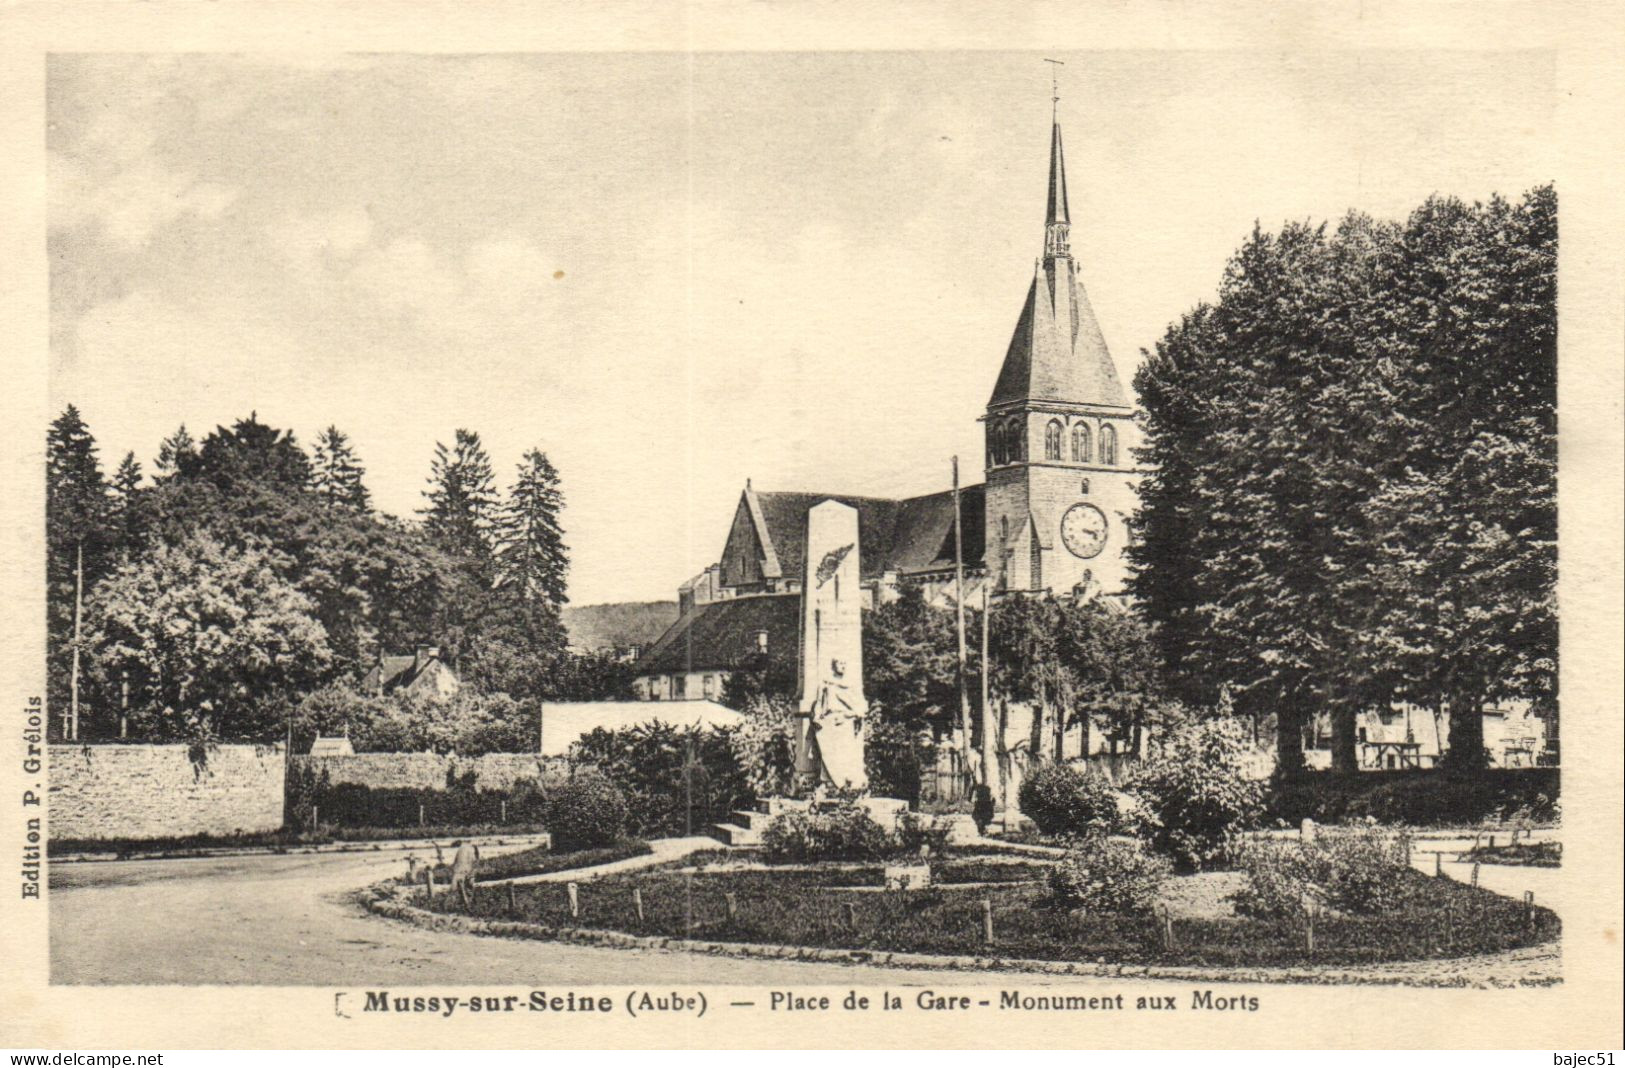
[1051, 514]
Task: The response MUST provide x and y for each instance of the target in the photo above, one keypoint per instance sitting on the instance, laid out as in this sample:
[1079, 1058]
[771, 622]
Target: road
[289, 921]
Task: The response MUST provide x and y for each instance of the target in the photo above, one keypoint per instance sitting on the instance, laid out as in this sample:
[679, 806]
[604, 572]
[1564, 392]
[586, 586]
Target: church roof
[723, 634]
[1057, 352]
[904, 535]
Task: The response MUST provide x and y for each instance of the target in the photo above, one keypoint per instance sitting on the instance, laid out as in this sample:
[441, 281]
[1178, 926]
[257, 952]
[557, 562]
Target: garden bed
[1438, 918]
[1521, 854]
[541, 860]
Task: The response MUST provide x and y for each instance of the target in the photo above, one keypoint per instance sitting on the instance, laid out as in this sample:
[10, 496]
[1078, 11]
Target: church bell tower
[1061, 479]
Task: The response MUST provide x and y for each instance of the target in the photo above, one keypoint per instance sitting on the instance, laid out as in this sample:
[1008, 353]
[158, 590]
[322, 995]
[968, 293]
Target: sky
[676, 272]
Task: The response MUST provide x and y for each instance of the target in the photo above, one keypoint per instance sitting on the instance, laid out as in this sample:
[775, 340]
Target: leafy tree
[76, 517]
[531, 557]
[337, 474]
[909, 661]
[212, 639]
[252, 453]
[1327, 525]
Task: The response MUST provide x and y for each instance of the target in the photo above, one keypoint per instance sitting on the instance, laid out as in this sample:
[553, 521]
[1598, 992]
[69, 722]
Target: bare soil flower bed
[1437, 919]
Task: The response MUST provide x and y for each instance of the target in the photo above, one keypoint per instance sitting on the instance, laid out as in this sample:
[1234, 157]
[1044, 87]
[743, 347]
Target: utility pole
[959, 621]
[990, 755]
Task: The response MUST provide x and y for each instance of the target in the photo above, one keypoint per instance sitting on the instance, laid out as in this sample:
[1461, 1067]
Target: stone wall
[429, 771]
[161, 791]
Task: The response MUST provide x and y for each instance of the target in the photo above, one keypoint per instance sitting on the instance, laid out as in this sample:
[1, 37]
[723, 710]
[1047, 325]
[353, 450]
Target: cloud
[307, 242]
[131, 202]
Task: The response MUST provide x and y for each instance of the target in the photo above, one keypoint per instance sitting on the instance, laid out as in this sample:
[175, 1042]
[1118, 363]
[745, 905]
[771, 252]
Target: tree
[76, 514]
[337, 473]
[126, 491]
[212, 639]
[462, 504]
[1328, 522]
[176, 454]
[531, 557]
[1473, 516]
[910, 661]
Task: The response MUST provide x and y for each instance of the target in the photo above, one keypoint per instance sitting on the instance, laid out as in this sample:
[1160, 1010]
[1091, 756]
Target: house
[694, 658]
[563, 723]
[423, 674]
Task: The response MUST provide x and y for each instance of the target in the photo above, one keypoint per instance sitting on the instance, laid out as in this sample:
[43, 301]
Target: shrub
[890, 758]
[676, 780]
[764, 746]
[1420, 798]
[1064, 800]
[1361, 872]
[845, 832]
[587, 811]
[1198, 793]
[1103, 875]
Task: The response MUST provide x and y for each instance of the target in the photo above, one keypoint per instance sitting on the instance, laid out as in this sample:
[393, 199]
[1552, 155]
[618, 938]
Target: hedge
[1417, 798]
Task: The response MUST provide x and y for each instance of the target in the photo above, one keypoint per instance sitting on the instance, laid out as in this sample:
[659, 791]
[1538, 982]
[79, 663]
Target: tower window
[1083, 450]
[1052, 440]
[1108, 445]
[1015, 447]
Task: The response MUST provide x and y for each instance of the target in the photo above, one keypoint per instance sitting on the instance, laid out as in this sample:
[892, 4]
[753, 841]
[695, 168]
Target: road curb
[392, 902]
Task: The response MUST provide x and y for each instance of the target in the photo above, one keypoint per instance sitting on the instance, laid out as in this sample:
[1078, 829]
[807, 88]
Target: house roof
[564, 722]
[721, 635]
[912, 534]
[393, 669]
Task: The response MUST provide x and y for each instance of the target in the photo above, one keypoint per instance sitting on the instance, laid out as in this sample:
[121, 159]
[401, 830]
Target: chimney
[422, 656]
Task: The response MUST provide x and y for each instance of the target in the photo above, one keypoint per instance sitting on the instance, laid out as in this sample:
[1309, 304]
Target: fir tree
[532, 559]
[176, 454]
[462, 501]
[76, 514]
[338, 474]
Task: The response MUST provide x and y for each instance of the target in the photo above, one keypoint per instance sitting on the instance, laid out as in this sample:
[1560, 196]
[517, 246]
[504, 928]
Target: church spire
[1057, 352]
[1058, 219]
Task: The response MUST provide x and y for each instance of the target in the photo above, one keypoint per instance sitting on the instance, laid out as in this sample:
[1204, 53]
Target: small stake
[987, 920]
[1475, 873]
[504, 812]
[733, 907]
[420, 813]
[1529, 908]
[1449, 927]
[1309, 929]
[575, 901]
[1492, 842]
[851, 914]
[428, 877]
[1167, 929]
[1438, 864]
[637, 903]
[315, 817]
[513, 898]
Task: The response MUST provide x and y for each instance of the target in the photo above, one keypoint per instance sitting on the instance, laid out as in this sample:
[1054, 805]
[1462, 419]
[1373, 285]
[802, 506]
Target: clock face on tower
[1083, 530]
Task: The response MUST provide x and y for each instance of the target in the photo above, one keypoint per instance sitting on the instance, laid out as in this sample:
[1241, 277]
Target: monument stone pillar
[832, 708]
